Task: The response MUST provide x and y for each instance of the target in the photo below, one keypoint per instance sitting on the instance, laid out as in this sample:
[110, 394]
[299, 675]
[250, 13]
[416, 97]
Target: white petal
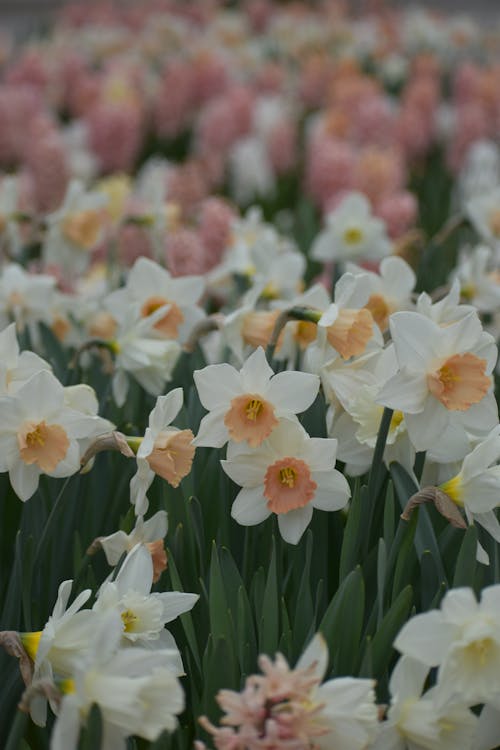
[217, 385]
[24, 479]
[212, 432]
[407, 679]
[255, 373]
[67, 726]
[426, 638]
[320, 453]
[426, 428]
[250, 506]
[416, 340]
[293, 524]
[247, 469]
[175, 603]
[406, 391]
[459, 606]
[166, 409]
[333, 491]
[136, 573]
[316, 653]
[293, 391]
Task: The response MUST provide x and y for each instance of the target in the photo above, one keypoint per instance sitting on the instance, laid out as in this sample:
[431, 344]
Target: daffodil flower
[289, 474]
[246, 406]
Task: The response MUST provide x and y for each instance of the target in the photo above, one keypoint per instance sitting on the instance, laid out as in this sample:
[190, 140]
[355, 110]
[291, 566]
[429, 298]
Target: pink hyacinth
[374, 122]
[175, 99]
[282, 146]
[329, 169]
[184, 253]
[216, 217]
[399, 211]
[379, 172]
[274, 711]
[187, 187]
[132, 242]
[115, 132]
[46, 160]
[225, 119]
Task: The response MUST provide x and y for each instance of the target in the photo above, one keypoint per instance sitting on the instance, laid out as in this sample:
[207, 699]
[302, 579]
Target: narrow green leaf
[381, 577]
[388, 629]
[269, 634]
[353, 531]
[465, 568]
[92, 735]
[186, 618]
[425, 537]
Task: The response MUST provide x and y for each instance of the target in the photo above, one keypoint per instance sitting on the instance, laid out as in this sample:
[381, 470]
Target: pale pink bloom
[472, 125]
[399, 212]
[115, 132]
[185, 253]
[175, 99]
[329, 169]
[211, 76]
[379, 172]
[282, 146]
[216, 217]
[133, 242]
[187, 187]
[375, 122]
[47, 162]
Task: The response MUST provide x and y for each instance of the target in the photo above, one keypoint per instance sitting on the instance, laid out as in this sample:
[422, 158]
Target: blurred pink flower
[184, 253]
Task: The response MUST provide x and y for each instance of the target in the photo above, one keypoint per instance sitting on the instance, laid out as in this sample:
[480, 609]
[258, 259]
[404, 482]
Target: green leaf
[17, 730]
[343, 621]
[186, 618]
[381, 577]
[388, 630]
[92, 734]
[353, 531]
[220, 621]
[465, 568]
[425, 538]
[269, 632]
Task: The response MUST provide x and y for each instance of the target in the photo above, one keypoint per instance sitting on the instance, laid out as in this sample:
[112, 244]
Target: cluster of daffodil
[250, 268]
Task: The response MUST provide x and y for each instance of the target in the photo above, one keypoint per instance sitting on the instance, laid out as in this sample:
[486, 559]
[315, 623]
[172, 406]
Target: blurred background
[25, 17]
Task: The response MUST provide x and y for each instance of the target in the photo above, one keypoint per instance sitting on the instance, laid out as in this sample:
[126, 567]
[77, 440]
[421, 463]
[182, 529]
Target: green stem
[17, 731]
[49, 523]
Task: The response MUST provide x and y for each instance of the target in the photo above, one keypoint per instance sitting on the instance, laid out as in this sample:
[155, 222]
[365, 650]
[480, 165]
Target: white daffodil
[289, 474]
[356, 426]
[149, 286]
[16, 367]
[476, 487]
[463, 640]
[479, 282]
[136, 690]
[347, 712]
[164, 450]
[444, 381]
[150, 533]
[346, 328]
[149, 360]
[10, 233]
[57, 648]
[390, 288]
[250, 170]
[416, 722]
[484, 214]
[352, 232]
[446, 310]
[25, 298]
[246, 406]
[249, 327]
[75, 229]
[39, 433]
[144, 614]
